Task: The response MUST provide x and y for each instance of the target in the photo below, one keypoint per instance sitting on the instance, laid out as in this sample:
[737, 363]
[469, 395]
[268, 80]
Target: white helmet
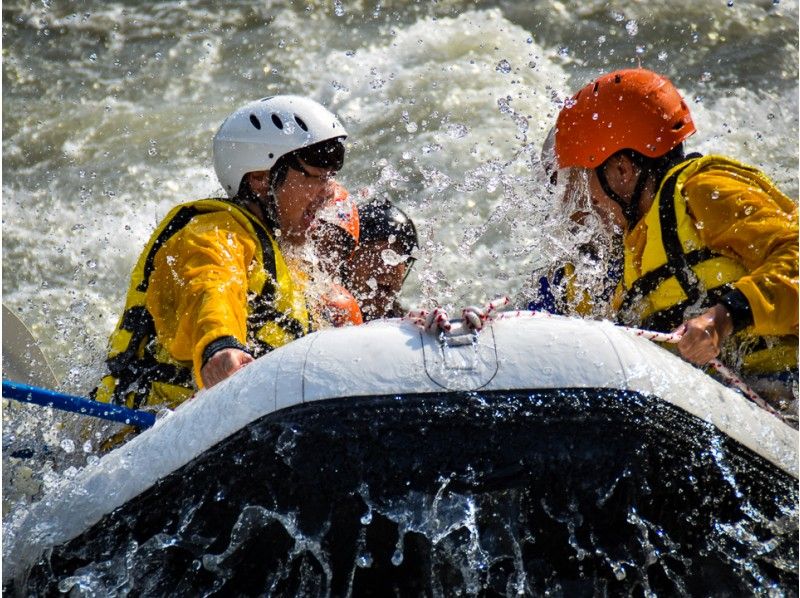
[253, 137]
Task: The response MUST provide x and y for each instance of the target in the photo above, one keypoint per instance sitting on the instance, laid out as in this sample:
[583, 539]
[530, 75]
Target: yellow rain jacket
[210, 277]
[718, 231]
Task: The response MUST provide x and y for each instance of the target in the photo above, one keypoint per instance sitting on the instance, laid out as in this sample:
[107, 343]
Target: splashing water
[108, 118]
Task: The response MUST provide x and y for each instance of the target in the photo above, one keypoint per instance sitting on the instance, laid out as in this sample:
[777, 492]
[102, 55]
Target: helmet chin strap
[630, 209]
[247, 196]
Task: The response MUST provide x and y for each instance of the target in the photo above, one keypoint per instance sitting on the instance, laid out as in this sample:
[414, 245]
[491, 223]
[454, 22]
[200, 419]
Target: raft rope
[725, 373]
[475, 318]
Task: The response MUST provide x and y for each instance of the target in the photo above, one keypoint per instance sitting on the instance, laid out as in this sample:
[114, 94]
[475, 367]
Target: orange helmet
[340, 308]
[632, 109]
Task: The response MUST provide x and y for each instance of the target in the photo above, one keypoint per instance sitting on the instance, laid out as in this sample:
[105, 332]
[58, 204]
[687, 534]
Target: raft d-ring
[459, 335]
[460, 359]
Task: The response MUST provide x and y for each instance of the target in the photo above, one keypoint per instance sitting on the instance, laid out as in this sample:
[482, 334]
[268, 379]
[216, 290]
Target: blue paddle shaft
[56, 400]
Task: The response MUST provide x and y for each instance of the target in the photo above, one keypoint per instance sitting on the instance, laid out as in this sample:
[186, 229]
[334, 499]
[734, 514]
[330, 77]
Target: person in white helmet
[212, 290]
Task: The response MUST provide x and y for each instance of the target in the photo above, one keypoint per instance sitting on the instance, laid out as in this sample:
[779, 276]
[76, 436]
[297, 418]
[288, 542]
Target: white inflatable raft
[589, 385]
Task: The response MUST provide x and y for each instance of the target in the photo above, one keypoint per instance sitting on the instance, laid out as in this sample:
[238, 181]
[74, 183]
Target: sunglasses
[328, 154]
[294, 163]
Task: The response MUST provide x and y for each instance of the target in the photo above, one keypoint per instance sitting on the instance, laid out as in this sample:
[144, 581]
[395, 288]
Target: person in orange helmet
[710, 244]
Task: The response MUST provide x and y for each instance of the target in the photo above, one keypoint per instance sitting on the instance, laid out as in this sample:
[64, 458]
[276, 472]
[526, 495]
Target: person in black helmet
[381, 262]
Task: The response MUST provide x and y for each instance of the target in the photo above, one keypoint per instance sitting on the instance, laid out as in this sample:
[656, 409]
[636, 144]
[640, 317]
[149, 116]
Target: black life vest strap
[180, 220]
[667, 320]
[677, 262]
[650, 281]
[136, 374]
[679, 265]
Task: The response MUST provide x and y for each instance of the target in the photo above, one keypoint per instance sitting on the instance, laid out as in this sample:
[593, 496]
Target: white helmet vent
[255, 121]
[278, 122]
[300, 122]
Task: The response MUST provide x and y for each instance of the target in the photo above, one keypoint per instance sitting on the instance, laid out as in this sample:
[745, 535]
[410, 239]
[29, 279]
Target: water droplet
[503, 67]
[364, 560]
[87, 446]
[430, 149]
[563, 52]
[457, 130]
[705, 77]
[392, 258]
[68, 445]
[529, 40]
[93, 57]
[397, 558]
[730, 3]
[631, 27]
[595, 116]
[618, 16]
[662, 56]
[338, 8]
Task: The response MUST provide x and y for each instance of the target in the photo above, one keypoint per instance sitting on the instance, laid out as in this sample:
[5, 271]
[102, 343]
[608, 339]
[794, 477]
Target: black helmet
[381, 219]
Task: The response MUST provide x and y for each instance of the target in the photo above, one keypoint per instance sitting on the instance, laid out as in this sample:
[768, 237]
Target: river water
[109, 109]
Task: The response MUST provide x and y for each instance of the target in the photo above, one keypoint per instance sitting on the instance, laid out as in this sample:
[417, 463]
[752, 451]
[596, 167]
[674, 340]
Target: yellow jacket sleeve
[745, 218]
[198, 288]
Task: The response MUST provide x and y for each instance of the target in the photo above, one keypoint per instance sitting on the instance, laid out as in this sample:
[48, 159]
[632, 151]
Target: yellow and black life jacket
[681, 277]
[141, 371]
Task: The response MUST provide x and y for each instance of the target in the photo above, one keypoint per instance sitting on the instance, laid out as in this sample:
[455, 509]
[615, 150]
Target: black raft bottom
[570, 492]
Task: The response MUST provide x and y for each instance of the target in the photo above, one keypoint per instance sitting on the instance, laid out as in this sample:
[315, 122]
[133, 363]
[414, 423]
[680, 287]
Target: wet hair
[381, 219]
